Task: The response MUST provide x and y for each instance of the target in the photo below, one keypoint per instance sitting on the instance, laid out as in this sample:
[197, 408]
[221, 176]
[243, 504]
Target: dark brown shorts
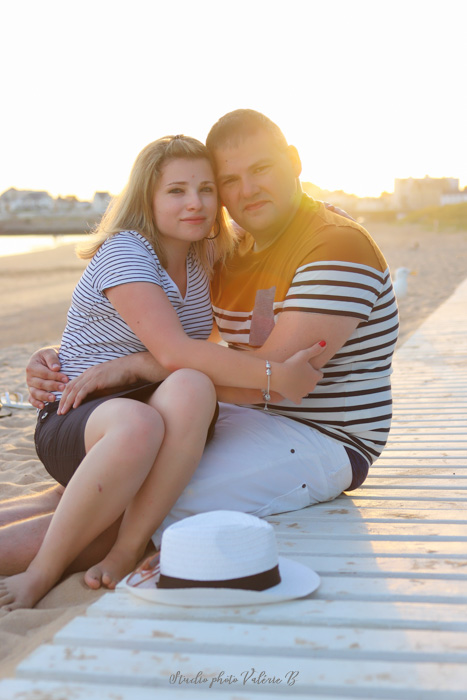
[59, 440]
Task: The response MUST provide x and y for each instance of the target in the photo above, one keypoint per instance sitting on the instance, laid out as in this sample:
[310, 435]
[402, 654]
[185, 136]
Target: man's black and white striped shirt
[322, 264]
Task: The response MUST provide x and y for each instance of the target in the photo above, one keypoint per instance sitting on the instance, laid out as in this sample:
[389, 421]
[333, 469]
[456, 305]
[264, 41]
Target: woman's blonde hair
[132, 209]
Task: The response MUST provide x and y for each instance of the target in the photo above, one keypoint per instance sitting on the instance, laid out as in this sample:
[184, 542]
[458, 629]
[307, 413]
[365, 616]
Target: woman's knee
[128, 422]
[141, 422]
[191, 387]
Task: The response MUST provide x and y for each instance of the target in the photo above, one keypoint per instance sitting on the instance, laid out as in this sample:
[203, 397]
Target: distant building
[367, 205]
[100, 202]
[350, 202]
[454, 197]
[413, 193]
[26, 203]
[15, 201]
[67, 205]
[338, 198]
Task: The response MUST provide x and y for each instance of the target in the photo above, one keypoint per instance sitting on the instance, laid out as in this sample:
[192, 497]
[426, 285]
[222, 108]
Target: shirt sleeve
[342, 275]
[336, 288]
[123, 259]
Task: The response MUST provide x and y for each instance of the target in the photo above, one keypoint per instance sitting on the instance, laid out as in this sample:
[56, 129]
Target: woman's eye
[208, 188]
[175, 190]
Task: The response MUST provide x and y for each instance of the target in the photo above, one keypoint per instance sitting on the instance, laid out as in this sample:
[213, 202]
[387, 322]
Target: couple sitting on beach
[302, 296]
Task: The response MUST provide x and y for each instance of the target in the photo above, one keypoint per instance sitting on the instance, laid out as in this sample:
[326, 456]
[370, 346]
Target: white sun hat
[222, 557]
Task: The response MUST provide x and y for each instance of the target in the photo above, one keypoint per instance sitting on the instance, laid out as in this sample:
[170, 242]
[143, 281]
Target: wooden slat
[312, 611]
[138, 667]
[15, 689]
[216, 637]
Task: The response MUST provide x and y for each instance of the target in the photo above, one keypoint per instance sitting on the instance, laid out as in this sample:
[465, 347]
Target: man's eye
[261, 168]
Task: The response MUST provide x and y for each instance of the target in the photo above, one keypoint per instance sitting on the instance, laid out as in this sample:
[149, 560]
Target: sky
[367, 90]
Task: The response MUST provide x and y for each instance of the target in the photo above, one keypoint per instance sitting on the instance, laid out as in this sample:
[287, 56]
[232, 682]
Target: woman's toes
[93, 577]
[5, 599]
[109, 581]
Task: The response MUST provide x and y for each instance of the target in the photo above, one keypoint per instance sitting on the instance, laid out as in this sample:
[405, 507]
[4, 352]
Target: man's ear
[294, 158]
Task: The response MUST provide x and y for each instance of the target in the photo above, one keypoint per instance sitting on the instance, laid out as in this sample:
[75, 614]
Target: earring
[211, 238]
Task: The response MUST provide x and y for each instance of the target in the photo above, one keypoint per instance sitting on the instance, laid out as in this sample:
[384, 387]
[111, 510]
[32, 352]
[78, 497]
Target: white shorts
[262, 464]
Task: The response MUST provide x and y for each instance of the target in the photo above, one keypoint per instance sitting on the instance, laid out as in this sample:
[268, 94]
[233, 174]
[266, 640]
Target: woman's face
[185, 200]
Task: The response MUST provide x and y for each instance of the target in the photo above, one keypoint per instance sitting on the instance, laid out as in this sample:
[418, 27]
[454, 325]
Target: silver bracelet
[266, 392]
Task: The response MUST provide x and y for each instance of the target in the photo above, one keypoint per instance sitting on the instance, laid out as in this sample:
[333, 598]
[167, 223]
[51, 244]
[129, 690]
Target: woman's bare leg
[186, 401]
[122, 437]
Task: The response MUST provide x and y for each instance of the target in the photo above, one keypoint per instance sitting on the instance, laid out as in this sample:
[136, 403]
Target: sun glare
[367, 91]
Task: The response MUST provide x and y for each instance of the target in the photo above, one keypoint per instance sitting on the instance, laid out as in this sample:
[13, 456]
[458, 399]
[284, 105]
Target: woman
[129, 455]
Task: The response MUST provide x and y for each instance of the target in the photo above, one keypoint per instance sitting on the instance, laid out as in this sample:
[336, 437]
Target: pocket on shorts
[296, 499]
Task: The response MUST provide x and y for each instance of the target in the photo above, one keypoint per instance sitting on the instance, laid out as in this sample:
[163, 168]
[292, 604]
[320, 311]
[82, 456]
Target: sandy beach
[35, 291]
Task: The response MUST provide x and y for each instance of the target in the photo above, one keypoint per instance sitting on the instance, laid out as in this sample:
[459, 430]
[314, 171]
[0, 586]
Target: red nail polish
[322, 343]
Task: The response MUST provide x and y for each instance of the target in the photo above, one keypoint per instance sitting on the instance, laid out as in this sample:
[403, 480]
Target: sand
[35, 291]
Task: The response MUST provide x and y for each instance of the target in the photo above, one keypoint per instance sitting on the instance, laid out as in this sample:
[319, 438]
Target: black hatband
[256, 582]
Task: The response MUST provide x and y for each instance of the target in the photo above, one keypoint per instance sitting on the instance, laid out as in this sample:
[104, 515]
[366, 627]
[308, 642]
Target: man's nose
[249, 187]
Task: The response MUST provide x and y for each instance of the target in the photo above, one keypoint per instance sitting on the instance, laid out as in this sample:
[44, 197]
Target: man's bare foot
[24, 590]
[108, 572]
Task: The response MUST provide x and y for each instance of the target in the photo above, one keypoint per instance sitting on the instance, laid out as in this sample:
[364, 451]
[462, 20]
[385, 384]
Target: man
[302, 274]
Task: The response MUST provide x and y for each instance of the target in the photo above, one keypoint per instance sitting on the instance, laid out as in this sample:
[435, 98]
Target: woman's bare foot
[24, 590]
[108, 572]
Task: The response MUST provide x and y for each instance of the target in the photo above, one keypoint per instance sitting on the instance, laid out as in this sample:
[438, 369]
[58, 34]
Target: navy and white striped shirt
[95, 332]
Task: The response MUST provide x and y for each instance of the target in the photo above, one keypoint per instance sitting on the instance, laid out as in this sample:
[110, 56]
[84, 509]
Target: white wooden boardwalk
[390, 617]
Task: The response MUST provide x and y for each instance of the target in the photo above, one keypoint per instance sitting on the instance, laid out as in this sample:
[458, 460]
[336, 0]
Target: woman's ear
[294, 158]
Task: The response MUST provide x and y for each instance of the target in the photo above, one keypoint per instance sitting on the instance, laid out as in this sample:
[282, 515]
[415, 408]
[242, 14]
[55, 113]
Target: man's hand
[43, 376]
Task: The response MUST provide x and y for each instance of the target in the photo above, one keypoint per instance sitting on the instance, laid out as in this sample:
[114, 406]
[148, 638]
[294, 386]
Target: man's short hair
[240, 124]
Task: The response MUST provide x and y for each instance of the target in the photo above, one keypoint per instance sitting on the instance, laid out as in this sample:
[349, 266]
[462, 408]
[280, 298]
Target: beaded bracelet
[266, 392]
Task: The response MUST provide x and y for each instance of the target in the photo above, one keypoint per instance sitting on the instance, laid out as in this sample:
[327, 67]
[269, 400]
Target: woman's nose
[194, 201]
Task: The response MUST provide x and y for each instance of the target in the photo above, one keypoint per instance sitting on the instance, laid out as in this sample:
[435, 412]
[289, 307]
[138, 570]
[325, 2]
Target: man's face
[258, 184]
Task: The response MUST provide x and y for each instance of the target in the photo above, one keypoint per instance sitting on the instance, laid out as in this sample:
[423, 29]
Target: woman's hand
[296, 377]
[102, 377]
[96, 378]
[111, 375]
[43, 376]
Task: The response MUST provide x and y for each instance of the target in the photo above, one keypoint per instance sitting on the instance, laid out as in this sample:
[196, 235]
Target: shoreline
[44, 232]
[35, 224]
